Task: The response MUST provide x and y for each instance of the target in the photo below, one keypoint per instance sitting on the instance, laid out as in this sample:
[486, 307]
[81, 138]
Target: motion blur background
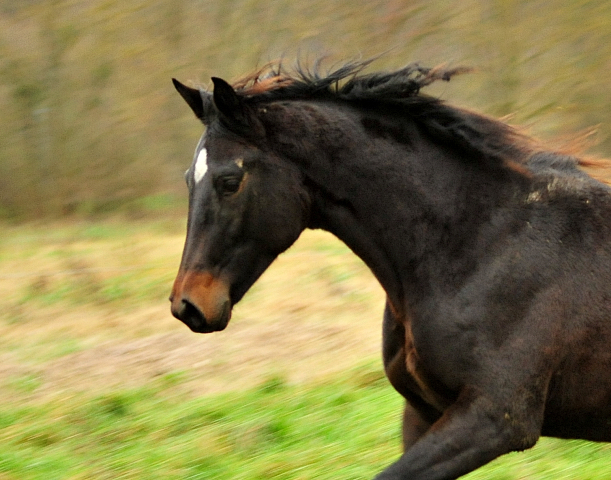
[90, 122]
[97, 380]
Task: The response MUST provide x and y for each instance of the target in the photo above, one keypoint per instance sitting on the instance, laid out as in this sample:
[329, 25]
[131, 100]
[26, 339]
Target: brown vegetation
[87, 311]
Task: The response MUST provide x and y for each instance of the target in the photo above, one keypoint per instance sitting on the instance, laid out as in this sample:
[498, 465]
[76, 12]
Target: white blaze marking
[201, 165]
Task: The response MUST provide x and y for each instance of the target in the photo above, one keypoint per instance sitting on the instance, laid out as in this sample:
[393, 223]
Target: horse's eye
[228, 185]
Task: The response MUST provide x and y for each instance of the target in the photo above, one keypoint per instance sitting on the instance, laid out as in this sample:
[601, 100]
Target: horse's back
[556, 164]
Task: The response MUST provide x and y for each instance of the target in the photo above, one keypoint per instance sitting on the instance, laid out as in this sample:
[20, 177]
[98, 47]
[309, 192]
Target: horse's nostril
[189, 313]
[185, 311]
[190, 310]
[201, 301]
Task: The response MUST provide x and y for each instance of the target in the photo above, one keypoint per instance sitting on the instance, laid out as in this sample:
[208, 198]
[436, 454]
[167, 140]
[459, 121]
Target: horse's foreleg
[415, 425]
[471, 433]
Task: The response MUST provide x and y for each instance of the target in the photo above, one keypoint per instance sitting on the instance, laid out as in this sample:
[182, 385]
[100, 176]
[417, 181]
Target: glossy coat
[495, 254]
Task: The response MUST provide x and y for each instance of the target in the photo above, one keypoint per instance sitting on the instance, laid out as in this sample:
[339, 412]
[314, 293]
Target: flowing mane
[486, 137]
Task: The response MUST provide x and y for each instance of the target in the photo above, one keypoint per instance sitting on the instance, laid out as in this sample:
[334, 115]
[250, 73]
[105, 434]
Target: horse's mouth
[193, 318]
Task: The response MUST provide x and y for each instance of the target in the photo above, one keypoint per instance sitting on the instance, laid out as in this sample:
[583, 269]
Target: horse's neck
[399, 207]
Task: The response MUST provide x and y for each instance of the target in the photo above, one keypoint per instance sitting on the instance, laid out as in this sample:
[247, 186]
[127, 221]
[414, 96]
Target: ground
[316, 312]
[85, 321]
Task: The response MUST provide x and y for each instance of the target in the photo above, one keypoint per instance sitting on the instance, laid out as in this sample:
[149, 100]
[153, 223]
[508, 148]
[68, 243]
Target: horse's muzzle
[201, 301]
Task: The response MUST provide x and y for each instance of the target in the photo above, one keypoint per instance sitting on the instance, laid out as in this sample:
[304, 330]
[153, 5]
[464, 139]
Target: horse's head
[245, 208]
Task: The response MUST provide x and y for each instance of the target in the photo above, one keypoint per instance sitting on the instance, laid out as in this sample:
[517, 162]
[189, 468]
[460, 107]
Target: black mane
[346, 82]
[485, 137]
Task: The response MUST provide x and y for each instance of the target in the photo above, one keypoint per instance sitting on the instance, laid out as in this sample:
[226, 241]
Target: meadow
[98, 381]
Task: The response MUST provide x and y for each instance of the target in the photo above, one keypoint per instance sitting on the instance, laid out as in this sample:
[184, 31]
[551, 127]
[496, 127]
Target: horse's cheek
[273, 222]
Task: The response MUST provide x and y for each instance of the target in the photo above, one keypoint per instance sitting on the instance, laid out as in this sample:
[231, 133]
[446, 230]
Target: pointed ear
[228, 104]
[193, 97]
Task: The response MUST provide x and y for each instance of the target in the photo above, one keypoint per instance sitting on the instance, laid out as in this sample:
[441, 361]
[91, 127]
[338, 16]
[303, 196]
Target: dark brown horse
[495, 254]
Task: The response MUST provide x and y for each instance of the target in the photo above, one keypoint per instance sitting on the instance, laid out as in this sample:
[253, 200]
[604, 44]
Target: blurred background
[90, 122]
[97, 380]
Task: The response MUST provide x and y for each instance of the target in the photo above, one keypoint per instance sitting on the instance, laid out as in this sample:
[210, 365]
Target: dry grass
[315, 312]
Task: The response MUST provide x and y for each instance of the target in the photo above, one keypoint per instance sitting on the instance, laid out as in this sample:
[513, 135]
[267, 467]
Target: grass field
[98, 381]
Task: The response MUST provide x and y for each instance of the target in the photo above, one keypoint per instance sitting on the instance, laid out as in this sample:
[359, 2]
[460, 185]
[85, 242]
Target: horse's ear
[228, 104]
[196, 99]
[232, 111]
[192, 96]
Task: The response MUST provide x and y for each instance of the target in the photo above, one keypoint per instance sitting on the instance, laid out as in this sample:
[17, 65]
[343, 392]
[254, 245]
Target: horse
[494, 250]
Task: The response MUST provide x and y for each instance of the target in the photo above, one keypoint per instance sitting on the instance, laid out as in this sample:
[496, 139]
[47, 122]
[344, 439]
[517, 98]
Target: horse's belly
[580, 426]
[579, 405]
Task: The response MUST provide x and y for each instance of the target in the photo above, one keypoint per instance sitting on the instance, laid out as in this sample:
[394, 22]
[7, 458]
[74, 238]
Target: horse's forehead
[224, 153]
[224, 148]
[200, 166]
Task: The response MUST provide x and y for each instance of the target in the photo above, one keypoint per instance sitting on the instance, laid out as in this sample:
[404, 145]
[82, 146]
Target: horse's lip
[201, 327]
[217, 326]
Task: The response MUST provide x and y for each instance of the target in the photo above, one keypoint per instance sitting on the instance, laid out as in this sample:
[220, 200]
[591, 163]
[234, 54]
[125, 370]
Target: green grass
[90, 286]
[346, 427]
[86, 263]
